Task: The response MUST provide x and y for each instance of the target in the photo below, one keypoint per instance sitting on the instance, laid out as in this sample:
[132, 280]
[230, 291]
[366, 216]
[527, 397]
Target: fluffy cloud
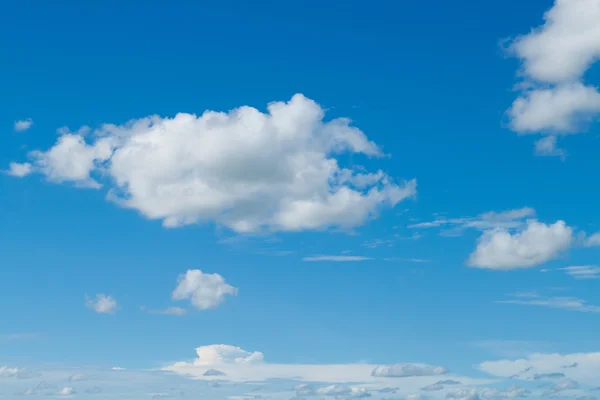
[244, 169]
[555, 57]
[19, 170]
[406, 370]
[336, 258]
[582, 272]
[555, 110]
[66, 391]
[593, 240]
[23, 125]
[462, 394]
[102, 304]
[537, 243]
[10, 372]
[547, 146]
[205, 291]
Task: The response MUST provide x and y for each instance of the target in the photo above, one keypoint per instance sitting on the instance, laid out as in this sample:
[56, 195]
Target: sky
[299, 200]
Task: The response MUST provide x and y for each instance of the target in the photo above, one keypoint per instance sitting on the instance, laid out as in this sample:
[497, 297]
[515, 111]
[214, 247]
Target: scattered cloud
[102, 304]
[282, 174]
[23, 125]
[406, 370]
[66, 391]
[530, 246]
[554, 100]
[547, 146]
[19, 170]
[205, 291]
[563, 303]
[593, 240]
[336, 258]
[178, 311]
[583, 271]
[510, 219]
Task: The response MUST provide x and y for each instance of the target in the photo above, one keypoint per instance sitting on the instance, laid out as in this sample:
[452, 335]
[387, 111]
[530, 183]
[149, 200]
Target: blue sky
[407, 186]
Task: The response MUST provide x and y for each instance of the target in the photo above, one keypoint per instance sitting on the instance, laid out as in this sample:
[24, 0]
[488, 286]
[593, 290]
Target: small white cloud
[23, 125]
[509, 219]
[178, 311]
[536, 244]
[66, 391]
[407, 370]
[204, 290]
[593, 240]
[547, 147]
[336, 258]
[582, 271]
[19, 170]
[102, 304]
[462, 394]
[118, 369]
[9, 372]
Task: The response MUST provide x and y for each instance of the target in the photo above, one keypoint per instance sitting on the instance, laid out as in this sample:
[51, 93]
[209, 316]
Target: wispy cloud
[582, 271]
[178, 311]
[563, 303]
[336, 258]
[23, 125]
[510, 219]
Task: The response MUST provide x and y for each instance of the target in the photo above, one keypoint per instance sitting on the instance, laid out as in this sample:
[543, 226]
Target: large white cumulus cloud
[244, 169]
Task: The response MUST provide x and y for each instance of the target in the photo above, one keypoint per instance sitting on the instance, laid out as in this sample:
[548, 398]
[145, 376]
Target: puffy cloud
[336, 258]
[561, 109]
[205, 291]
[244, 169]
[102, 304]
[555, 57]
[23, 125]
[406, 370]
[10, 372]
[19, 170]
[536, 244]
[219, 354]
[565, 46]
[582, 271]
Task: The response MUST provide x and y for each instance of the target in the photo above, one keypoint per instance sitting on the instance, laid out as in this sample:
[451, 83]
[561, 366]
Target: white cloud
[10, 372]
[511, 392]
[23, 125]
[555, 57]
[563, 303]
[66, 391]
[406, 370]
[547, 146]
[245, 169]
[565, 46]
[102, 304]
[336, 258]
[204, 290]
[244, 366]
[178, 311]
[118, 369]
[462, 394]
[562, 109]
[582, 271]
[506, 219]
[593, 240]
[535, 244]
[78, 377]
[19, 170]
